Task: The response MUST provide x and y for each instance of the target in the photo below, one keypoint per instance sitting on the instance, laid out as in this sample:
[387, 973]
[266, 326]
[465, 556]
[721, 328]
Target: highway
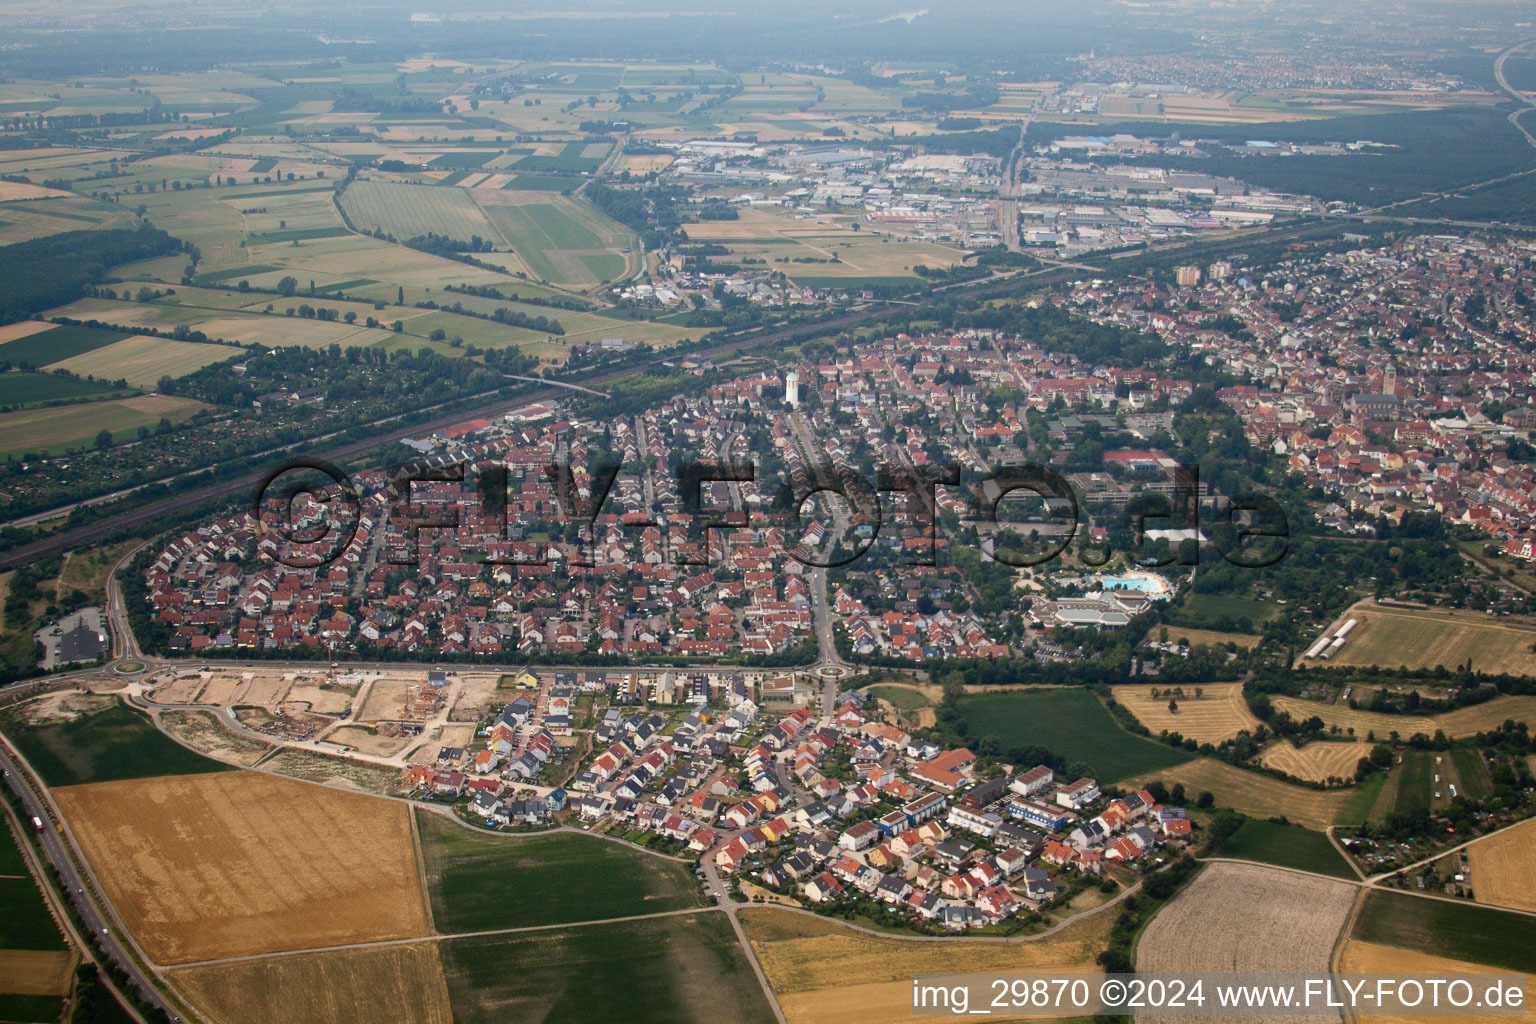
[52, 843]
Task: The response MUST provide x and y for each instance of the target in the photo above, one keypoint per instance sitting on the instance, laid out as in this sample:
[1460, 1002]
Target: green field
[1072, 724]
[480, 882]
[1415, 788]
[114, 743]
[665, 970]
[11, 860]
[407, 211]
[30, 1009]
[26, 923]
[1475, 782]
[1457, 931]
[563, 240]
[900, 697]
[1289, 846]
[28, 389]
[56, 343]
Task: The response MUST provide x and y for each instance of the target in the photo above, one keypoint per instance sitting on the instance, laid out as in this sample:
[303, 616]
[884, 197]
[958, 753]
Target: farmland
[238, 863]
[1368, 958]
[1315, 762]
[407, 211]
[1255, 795]
[356, 986]
[687, 968]
[1424, 639]
[105, 744]
[23, 389]
[1073, 724]
[1456, 931]
[1461, 722]
[52, 344]
[824, 973]
[479, 882]
[142, 360]
[1218, 714]
[1286, 846]
[1504, 868]
[561, 240]
[1288, 922]
[57, 429]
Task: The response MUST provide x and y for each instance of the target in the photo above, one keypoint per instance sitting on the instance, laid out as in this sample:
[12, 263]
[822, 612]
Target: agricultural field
[1217, 714]
[1461, 722]
[36, 966]
[1255, 795]
[903, 698]
[1286, 922]
[26, 389]
[100, 740]
[142, 360]
[1368, 958]
[1424, 639]
[825, 973]
[1207, 637]
[241, 863]
[561, 240]
[1453, 930]
[1286, 846]
[397, 982]
[407, 211]
[57, 429]
[1073, 724]
[478, 881]
[203, 732]
[39, 344]
[685, 968]
[1315, 762]
[1504, 868]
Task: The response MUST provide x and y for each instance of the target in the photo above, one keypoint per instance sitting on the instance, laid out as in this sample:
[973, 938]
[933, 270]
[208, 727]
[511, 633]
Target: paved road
[95, 920]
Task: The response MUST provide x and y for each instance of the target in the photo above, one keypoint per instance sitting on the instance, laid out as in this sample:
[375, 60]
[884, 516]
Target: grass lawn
[1458, 931]
[111, 744]
[480, 882]
[664, 970]
[1289, 846]
[1071, 723]
[900, 697]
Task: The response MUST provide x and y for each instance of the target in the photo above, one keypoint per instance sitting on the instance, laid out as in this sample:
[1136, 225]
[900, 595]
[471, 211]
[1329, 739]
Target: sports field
[142, 360]
[1315, 762]
[1073, 724]
[1255, 795]
[1465, 721]
[824, 973]
[1504, 868]
[686, 969]
[401, 982]
[238, 863]
[56, 429]
[1218, 714]
[1423, 639]
[478, 881]
[1456, 931]
[106, 744]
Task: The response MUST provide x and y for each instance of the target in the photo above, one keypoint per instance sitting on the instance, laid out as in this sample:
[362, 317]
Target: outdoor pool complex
[1153, 586]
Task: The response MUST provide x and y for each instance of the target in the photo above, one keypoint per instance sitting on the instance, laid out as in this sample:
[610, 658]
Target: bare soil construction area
[237, 863]
[1247, 918]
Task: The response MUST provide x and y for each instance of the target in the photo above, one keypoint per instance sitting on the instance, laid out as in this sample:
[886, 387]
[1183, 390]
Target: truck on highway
[37, 823]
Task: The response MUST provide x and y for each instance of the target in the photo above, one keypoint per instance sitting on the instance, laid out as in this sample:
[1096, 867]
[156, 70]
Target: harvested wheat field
[1425, 638]
[1368, 958]
[1247, 918]
[238, 863]
[1504, 868]
[30, 972]
[1461, 722]
[1257, 796]
[355, 986]
[1219, 713]
[824, 973]
[1315, 762]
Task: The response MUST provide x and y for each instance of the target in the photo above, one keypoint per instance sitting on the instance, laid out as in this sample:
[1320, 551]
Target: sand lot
[236, 863]
[359, 986]
[1247, 918]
